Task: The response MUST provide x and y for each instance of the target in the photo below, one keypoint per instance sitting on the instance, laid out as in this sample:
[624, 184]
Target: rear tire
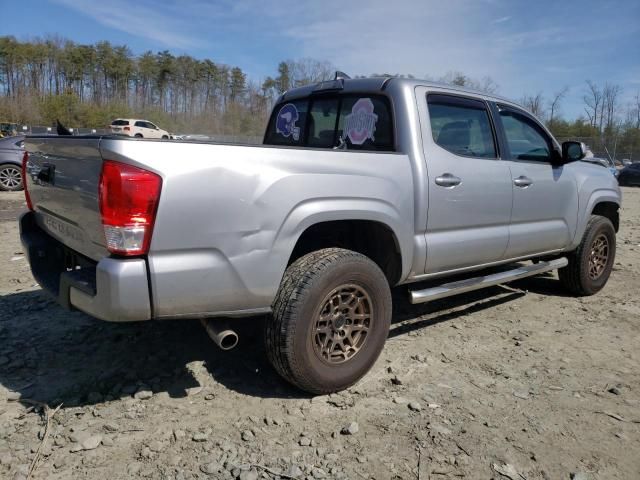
[591, 263]
[138, 135]
[330, 320]
[10, 178]
[164, 137]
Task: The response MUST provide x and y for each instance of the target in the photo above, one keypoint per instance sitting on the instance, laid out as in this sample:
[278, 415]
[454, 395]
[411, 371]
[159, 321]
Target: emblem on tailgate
[63, 229]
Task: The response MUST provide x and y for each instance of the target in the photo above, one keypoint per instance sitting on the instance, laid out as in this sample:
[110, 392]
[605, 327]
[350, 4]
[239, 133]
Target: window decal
[360, 124]
[286, 121]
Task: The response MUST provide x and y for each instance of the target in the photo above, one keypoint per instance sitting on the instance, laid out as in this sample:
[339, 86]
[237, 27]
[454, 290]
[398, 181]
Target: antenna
[341, 76]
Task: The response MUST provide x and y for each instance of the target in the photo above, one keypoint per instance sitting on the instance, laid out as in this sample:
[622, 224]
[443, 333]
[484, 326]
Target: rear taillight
[27, 197]
[127, 129]
[128, 203]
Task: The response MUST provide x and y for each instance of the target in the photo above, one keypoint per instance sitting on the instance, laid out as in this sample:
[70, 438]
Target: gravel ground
[518, 382]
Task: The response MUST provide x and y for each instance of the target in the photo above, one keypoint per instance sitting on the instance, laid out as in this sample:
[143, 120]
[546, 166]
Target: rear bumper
[112, 289]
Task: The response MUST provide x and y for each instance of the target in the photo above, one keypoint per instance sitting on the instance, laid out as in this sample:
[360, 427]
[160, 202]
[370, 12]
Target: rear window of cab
[350, 122]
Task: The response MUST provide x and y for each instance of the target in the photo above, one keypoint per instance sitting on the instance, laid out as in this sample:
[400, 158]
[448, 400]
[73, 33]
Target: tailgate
[63, 174]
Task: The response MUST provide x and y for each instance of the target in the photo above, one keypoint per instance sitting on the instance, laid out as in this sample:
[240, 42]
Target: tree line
[89, 85]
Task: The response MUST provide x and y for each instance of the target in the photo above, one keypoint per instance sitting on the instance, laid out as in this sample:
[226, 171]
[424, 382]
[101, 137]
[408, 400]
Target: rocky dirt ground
[519, 382]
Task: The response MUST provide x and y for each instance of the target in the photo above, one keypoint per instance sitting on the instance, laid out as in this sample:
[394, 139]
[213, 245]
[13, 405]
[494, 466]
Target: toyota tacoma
[360, 185]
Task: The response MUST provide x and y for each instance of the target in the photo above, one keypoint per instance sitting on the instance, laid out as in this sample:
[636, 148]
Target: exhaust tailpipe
[220, 333]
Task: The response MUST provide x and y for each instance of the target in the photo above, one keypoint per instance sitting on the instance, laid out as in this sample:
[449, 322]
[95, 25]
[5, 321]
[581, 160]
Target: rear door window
[461, 125]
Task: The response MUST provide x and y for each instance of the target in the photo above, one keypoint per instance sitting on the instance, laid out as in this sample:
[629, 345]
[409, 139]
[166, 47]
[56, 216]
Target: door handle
[448, 180]
[522, 181]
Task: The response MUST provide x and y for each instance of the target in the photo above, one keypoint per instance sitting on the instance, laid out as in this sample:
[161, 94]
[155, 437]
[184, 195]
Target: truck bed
[224, 209]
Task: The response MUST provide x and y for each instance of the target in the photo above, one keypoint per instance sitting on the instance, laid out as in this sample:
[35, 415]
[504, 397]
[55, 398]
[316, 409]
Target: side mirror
[573, 151]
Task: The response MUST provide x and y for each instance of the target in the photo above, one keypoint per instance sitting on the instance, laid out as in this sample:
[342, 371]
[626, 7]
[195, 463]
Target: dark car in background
[11, 153]
[630, 175]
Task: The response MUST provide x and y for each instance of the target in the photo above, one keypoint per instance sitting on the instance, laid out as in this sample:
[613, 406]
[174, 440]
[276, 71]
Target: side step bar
[476, 283]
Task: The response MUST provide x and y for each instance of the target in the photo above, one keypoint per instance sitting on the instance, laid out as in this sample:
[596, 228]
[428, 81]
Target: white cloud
[155, 22]
[524, 47]
[422, 37]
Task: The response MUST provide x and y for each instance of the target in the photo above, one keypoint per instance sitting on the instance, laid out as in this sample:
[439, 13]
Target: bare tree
[593, 103]
[554, 104]
[610, 103]
[486, 84]
[309, 70]
[534, 103]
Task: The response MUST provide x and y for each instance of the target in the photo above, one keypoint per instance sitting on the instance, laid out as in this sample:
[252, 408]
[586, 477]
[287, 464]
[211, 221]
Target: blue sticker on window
[286, 121]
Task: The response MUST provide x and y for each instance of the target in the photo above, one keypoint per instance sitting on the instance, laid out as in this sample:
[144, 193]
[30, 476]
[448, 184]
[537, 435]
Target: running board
[476, 283]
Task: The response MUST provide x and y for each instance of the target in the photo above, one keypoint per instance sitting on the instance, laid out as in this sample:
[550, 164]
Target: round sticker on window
[360, 124]
[286, 121]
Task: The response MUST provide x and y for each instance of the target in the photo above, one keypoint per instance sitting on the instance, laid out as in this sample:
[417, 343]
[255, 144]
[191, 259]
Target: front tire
[591, 263]
[330, 320]
[10, 178]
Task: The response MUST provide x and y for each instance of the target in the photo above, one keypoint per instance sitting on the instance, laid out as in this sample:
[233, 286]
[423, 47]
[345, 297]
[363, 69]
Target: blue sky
[525, 46]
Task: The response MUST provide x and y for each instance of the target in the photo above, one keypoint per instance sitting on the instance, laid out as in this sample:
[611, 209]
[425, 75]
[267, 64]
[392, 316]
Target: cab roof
[379, 84]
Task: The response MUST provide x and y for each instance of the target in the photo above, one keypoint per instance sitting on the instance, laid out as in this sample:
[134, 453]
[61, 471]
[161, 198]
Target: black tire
[10, 177]
[291, 338]
[164, 137]
[138, 135]
[582, 276]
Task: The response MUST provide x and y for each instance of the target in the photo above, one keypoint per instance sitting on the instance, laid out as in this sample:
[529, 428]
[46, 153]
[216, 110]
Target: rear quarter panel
[229, 216]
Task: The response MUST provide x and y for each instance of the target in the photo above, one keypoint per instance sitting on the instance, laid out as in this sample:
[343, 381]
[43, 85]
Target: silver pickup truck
[361, 185]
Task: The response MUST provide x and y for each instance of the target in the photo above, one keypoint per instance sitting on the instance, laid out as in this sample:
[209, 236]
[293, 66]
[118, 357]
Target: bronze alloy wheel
[342, 324]
[330, 320]
[598, 256]
[592, 262]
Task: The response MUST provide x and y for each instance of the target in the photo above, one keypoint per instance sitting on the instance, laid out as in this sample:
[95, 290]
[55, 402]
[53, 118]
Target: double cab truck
[360, 186]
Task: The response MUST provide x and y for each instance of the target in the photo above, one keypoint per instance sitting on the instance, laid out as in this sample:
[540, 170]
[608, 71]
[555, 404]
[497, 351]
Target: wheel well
[372, 239]
[610, 211]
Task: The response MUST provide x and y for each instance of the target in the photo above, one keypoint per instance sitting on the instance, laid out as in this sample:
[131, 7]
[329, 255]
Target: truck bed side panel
[229, 216]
